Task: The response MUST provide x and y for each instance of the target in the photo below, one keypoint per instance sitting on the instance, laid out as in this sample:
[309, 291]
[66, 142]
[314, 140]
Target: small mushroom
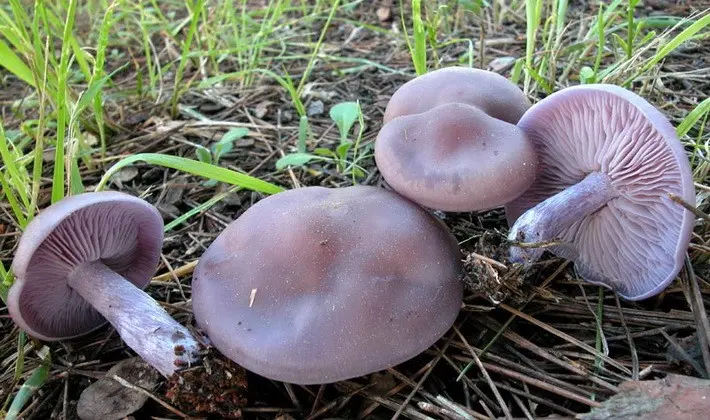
[488, 91]
[85, 260]
[608, 162]
[455, 157]
[316, 285]
[449, 141]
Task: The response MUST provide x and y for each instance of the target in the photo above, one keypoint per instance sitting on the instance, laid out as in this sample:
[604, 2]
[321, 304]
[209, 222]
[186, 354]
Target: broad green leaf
[294, 159]
[344, 115]
[322, 151]
[342, 150]
[203, 154]
[225, 144]
[586, 75]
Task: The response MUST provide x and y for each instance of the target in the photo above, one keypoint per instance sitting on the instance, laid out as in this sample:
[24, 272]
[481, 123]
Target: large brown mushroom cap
[455, 157]
[316, 285]
[488, 91]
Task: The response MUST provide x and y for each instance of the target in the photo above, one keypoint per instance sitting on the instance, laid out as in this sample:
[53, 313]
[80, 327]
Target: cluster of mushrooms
[316, 285]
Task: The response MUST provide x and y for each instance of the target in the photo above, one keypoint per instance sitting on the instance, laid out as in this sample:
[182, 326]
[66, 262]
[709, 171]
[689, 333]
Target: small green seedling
[218, 149]
[344, 115]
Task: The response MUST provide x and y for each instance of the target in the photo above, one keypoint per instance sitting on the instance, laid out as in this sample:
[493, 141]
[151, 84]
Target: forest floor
[548, 343]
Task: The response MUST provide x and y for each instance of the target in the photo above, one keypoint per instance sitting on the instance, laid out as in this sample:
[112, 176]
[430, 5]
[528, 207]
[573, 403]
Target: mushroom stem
[140, 321]
[541, 224]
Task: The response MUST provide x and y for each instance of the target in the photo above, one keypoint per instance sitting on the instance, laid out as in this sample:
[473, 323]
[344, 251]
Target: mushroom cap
[636, 243]
[455, 157]
[316, 285]
[486, 90]
[124, 232]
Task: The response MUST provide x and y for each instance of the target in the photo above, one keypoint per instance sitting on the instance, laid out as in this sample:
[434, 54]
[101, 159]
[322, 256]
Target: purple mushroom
[608, 162]
[449, 141]
[85, 260]
[488, 91]
[316, 285]
[455, 157]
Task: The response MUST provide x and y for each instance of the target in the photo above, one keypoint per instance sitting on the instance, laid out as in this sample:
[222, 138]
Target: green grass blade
[12, 200]
[194, 167]
[34, 383]
[668, 48]
[199, 209]
[196, 11]
[316, 49]
[59, 170]
[5, 282]
[14, 64]
[17, 179]
[98, 73]
[419, 33]
[693, 117]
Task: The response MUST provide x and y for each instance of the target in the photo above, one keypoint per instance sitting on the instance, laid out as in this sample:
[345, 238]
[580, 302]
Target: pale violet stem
[547, 219]
[140, 321]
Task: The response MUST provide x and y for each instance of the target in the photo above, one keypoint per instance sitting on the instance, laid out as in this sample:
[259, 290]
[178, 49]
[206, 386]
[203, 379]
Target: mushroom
[608, 162]
[316, 285]
[449, 141]
[85, 260]
[488, 91]
[455, 157]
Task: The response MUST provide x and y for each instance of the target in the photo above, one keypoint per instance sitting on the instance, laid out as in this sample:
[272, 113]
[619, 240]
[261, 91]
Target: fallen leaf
[262, 108]
[675, 397]
[107, 399]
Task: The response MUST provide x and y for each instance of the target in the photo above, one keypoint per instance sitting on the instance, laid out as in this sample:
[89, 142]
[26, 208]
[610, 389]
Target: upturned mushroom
[85, 260]
[609, 161]
[316, 285]
[449, 141]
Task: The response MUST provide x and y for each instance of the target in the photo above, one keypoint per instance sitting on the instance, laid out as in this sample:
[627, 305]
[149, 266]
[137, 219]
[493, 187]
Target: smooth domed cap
[636, 243]
[124, 232]
[486, 90]
[317, 285]
[455, 157]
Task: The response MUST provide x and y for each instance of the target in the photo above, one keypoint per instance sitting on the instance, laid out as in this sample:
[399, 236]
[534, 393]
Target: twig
[490, 261]
[689, 207]
[632, 347]
[430, 366]
[542, 385]
[129, 385]
[435, 409]
[501, 403]
[177, 273]
[565, 337]
[701, 316]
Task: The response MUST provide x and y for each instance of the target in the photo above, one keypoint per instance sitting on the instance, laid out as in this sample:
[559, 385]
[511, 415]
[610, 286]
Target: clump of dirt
[218, 387]
[487, 274]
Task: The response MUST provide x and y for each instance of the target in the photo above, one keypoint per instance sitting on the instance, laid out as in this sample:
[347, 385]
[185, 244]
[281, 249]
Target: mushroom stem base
[539, 226]
[140, 321]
